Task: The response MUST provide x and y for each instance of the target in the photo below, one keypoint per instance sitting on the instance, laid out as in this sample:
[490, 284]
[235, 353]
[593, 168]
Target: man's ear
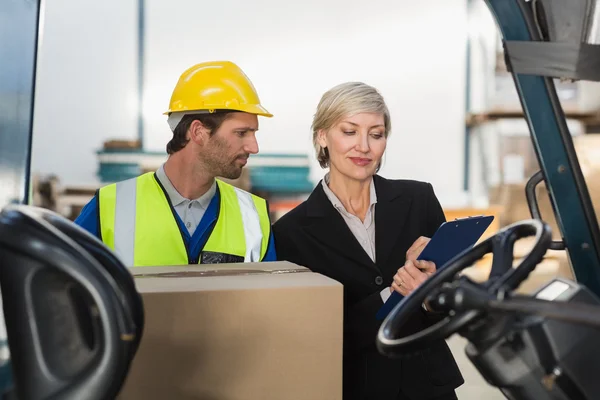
[321, 134]
[198, 133]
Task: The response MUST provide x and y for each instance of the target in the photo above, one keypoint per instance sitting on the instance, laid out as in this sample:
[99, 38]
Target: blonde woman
[366, 232]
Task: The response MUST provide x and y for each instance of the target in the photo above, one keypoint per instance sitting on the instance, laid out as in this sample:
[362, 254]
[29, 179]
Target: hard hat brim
[255, 109]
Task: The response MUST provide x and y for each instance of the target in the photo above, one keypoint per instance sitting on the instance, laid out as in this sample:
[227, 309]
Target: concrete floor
[475, 387]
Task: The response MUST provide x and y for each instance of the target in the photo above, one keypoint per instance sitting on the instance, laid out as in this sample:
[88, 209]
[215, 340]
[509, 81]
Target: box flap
[227, 277]
[207, 270]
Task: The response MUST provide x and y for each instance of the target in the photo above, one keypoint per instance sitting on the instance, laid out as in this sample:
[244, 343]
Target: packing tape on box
[231, 272]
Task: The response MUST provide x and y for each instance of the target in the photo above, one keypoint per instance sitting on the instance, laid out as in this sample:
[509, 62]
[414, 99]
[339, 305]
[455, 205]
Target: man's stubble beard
[218, 165]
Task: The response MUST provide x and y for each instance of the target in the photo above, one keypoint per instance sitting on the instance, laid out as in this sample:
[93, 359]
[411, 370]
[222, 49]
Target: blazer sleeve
[435, 212]
[364, 334]
[284, 248]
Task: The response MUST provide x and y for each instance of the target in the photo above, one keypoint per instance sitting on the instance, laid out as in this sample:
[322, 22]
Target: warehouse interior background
[104, 78]
[87, 79]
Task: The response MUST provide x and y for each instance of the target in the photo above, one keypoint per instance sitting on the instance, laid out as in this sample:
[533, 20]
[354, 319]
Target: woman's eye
[377, 135]
[349, 132]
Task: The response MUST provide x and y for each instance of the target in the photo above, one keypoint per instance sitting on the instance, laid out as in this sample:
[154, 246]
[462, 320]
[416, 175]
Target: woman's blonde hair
[344, 100]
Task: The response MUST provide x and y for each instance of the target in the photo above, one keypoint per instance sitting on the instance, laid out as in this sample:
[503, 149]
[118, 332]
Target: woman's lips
[360, 161]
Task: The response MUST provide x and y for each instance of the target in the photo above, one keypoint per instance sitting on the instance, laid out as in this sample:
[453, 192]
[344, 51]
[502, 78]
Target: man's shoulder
[222, 183]
[111, 185]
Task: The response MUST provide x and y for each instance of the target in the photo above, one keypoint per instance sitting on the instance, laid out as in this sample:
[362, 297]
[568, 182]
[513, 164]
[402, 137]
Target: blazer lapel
[328, 226]
[391, 211]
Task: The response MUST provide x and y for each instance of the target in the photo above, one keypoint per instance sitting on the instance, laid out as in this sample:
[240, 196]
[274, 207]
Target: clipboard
[451, 239]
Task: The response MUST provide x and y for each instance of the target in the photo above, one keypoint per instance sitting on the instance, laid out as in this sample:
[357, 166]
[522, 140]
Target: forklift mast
[545, 40]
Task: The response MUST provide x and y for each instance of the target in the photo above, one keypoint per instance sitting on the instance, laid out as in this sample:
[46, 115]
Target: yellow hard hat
[215, 85]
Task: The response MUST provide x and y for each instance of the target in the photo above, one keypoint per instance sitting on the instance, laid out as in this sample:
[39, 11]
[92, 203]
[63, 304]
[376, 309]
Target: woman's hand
[412, 275]
[414, 272]
[417, 247]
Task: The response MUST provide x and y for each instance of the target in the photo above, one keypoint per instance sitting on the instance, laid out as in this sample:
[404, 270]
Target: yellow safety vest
[137, 222]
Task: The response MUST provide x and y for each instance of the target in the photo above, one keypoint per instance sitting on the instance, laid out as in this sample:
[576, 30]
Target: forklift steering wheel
[503, 278]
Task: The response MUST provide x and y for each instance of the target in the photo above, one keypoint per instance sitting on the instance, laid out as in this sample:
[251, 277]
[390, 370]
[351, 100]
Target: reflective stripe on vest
[136, 221]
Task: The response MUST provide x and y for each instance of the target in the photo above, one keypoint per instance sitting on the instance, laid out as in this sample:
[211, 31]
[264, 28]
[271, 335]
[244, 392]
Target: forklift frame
[553, 146]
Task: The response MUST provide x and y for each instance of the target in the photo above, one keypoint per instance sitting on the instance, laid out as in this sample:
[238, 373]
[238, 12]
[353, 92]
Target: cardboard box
[578, 96]
[514, 203]
[517, 159]
[554, 266]
[512, 196]
[587, 148]
[515, 208]
[268, 331]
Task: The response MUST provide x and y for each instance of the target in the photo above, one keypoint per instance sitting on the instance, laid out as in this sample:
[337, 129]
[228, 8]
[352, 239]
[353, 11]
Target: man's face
[227, 150]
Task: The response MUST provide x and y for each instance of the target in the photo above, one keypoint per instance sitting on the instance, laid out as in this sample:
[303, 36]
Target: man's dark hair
[210, 121]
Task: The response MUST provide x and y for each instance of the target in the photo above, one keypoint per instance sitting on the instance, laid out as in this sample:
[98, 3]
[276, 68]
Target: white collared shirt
[190, 211]
[364, 231]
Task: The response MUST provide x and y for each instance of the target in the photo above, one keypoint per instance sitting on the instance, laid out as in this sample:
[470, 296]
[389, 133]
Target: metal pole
[141, 47]
[467, 143]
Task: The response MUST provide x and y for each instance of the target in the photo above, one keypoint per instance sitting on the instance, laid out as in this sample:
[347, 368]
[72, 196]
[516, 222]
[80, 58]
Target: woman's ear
[198, 133]
[322, 138]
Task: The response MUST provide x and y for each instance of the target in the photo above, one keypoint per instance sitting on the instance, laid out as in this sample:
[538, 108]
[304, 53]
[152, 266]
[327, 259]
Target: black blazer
[315, 235]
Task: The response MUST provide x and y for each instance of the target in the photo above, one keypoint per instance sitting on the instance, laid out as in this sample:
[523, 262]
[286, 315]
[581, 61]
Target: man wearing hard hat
[182, 214]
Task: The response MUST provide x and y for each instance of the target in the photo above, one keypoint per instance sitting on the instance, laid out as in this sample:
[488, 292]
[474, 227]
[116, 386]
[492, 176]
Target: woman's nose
[362, 143]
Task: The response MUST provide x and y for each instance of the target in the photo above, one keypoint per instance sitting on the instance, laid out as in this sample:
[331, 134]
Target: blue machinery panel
[554, 147]
[19, 20]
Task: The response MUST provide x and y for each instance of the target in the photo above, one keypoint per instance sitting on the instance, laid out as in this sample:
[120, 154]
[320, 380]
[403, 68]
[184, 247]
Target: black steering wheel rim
[508, 278]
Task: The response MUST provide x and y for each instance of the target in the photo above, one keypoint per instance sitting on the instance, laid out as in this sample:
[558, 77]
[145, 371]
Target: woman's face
[356, 145]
